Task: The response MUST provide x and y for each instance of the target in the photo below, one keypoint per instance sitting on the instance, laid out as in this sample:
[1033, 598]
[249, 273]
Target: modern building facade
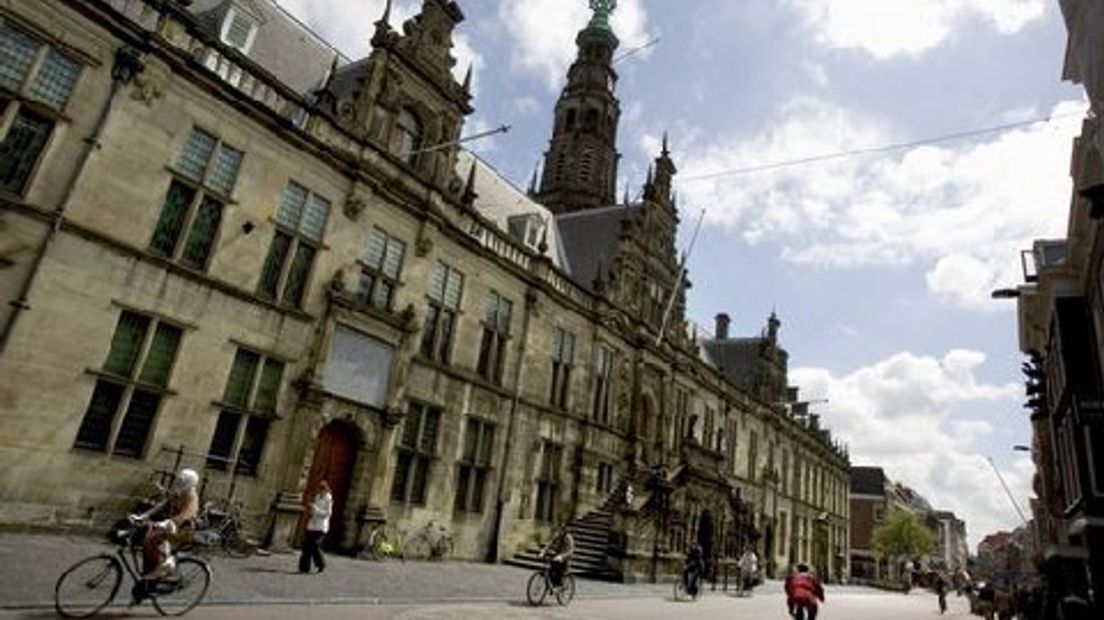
[225, 246]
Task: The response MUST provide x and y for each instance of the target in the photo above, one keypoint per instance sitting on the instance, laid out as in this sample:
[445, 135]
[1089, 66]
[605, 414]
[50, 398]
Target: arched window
[590, 121]
[406, 138]
[569, 125]
[586, 165]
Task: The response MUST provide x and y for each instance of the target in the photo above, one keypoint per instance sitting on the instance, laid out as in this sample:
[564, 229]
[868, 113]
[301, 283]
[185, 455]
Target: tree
[902, 534]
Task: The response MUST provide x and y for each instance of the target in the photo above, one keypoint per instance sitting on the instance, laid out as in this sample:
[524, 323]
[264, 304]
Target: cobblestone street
[268, 588]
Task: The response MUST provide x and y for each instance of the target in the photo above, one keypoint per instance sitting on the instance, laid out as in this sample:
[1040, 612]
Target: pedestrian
[318, 523]
[941, 592]
[749, 568]
[803, 591]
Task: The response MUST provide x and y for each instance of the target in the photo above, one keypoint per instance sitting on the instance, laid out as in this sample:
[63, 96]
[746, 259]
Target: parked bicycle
[540, 586]
[91, 584]
[381, 546]
[431, 542]
[220, 524]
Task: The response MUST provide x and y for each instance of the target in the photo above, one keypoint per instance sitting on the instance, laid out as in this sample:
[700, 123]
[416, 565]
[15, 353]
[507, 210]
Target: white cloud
[886, 28]
[348, 25]
[906, 414]
[543, 33]
[961, 210]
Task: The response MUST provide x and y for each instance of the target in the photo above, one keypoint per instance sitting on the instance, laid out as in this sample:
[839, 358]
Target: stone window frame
[237, 18]
[33, 101]
[548, 481]
[206, 189]
[604, 478]
[121, 378]
[415, 450]
[442, 312]
[474, 467]
[563, 363]
[380, 271]
[605, 358]
[292, 230]
[496, 337]
[251, 414]
[407, 135]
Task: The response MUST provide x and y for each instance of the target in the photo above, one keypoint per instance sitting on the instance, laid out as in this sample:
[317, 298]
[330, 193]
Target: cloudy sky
[879, 265]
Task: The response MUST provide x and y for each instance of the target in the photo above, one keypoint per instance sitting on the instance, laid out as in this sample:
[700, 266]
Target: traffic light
[1035, 385]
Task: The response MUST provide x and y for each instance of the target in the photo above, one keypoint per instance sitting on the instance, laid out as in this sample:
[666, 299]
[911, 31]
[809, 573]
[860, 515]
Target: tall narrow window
[603, 376]
[753, 456]
[604, 482]
[379, 273]
[416, 453]
[474, 466]
[496, 333]
[247, 408]
[406, 138]
[548, 481]
[204, 177]
[563, 358]
[300, 225]
[133, 382]
[29, 71]
[446, 288]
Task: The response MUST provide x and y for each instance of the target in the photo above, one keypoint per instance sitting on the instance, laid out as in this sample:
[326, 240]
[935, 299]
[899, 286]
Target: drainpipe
[126, 67]
[500, 494]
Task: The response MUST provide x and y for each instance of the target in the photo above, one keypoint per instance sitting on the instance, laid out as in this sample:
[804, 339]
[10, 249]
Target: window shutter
[224, 173]
[197, 152]
[375, 248]
[291, 205]
[55, 80]
[392, 263]
[453, 289]
[17, 54]
[314, 220]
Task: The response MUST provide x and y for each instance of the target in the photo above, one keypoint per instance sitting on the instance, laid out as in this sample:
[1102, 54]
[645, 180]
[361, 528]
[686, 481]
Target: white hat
[187, 479]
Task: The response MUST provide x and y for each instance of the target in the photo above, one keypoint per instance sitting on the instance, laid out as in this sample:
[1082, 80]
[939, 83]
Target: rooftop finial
[469, 196]
[468, 78]
[533, 180]
[386, 18]
[666, 151]
[602, 10]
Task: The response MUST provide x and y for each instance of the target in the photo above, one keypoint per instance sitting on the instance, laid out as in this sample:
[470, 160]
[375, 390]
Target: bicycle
[381, 547]
[430, 542]
[540, 585]
[220, 524]
[688, 584]
[91, 584]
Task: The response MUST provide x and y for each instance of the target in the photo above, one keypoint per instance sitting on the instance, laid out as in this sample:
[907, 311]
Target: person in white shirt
[318, 523]
[749, 569]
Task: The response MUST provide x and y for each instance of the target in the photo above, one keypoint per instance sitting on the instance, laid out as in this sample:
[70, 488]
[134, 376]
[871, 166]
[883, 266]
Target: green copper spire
[602, 10]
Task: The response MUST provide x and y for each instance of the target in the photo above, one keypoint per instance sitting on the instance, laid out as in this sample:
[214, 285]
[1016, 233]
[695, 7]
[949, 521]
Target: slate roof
[868, 481]
[591, 240]
[737, 358]
[283, 46]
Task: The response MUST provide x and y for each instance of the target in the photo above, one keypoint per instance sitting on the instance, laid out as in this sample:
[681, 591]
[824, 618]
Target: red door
[334, 459]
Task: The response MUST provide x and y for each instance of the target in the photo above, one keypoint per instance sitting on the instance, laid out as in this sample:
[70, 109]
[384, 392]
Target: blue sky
[878, 265]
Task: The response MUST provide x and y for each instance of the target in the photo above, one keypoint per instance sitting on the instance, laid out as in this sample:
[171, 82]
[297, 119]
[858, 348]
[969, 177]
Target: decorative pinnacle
[468, 78]
[666, 151]
[602, 10]
[386, 18]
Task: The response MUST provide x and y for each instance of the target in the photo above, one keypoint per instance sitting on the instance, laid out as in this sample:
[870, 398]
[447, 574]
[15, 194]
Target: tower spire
[580, 166]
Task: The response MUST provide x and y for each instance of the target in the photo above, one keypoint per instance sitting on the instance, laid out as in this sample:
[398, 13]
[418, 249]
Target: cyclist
[803, 591]
[941, 592]
[749, 570]
[559, 550]
[171, 524]
[693, 569]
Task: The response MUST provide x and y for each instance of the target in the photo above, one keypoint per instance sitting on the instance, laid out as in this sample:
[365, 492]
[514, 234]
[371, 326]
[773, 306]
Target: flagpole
[678, 281]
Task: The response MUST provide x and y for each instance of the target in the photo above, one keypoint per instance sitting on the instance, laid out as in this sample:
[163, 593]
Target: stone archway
[335, 456]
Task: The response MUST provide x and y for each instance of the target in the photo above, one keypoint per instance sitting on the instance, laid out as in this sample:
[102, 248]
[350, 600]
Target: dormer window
[239, 30]
[527, 229]
[406, 139]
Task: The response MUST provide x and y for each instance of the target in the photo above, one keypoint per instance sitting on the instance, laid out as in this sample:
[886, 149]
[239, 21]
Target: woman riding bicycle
[560, 550]
[171, 524]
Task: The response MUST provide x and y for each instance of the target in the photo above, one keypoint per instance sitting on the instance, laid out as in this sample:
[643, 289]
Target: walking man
[318, 515]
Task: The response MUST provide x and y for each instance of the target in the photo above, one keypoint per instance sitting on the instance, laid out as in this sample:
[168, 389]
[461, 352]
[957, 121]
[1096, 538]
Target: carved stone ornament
[354, 206]
[423, 246]
[393, 416]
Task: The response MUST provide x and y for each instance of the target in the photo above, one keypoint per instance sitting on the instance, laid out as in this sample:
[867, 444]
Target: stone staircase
[591, 534]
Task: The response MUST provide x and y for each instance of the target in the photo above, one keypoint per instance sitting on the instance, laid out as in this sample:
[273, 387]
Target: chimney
[722, 326]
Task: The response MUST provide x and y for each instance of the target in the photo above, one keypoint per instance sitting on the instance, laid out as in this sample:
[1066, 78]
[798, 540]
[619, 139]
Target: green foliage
[903, 534]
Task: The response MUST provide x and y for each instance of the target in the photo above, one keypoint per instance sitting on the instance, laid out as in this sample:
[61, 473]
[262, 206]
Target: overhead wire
[876, 149]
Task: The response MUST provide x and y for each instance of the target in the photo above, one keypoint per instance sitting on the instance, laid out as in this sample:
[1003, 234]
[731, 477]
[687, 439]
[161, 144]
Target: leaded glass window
[380, 269]
[301, 219]
[417, 451]
[134, 380]
[247, 408]
[446, 287]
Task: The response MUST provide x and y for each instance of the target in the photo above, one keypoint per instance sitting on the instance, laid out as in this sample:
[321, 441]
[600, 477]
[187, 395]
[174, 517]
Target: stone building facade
[225, 246]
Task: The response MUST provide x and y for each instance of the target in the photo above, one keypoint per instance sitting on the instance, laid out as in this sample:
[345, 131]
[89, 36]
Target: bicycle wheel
[179, 594]
[88, 586]
[537, 589]
[236, 544]
[418, 548]
[680, 590]
[566, 594]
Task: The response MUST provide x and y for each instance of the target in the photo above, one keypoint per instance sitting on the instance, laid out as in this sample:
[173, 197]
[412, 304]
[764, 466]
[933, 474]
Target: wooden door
[334, 458]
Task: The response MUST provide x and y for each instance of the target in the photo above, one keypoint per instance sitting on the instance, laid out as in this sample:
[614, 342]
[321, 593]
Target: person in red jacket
[803, 593]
